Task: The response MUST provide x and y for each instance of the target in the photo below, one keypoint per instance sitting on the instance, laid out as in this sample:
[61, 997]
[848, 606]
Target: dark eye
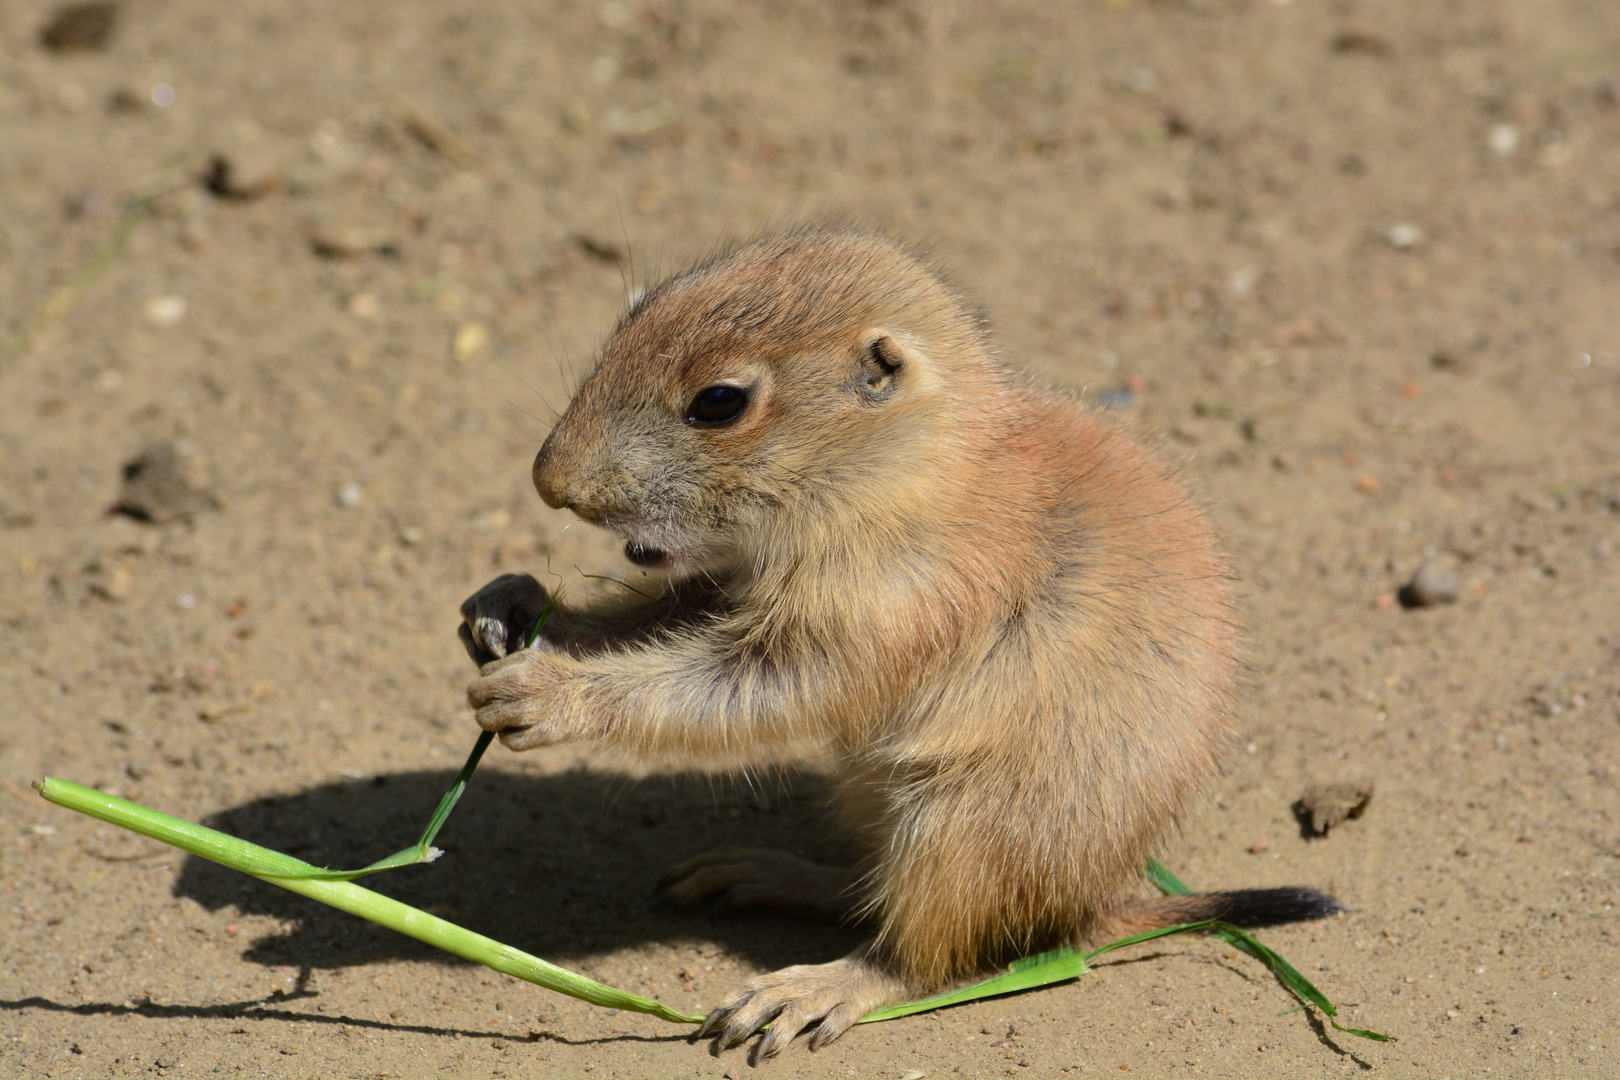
[716, 405]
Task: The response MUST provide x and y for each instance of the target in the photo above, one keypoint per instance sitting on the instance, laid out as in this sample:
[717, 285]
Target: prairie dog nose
[550, 476]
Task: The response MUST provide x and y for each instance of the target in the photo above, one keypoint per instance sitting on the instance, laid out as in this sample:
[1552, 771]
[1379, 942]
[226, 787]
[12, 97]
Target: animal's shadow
[562, 866]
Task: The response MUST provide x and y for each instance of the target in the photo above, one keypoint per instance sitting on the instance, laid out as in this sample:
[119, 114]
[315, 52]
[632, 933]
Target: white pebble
[1503, 140]
[165, 310]
[1405, 236]
[351, 494]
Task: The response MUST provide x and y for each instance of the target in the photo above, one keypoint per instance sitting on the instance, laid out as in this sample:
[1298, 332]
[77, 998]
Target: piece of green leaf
[299, 877]
[1042, 969]
[1240, 939]
[423, 850]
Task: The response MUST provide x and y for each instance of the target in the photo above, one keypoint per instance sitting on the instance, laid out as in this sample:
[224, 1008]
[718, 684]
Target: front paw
[497, 619]
[521, 697]
[830, 996]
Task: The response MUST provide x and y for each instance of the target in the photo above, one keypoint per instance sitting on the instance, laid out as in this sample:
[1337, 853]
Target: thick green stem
[295, 875]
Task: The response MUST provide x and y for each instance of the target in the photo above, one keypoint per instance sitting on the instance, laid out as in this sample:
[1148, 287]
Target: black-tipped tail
[1253, 908]
[1249, 908]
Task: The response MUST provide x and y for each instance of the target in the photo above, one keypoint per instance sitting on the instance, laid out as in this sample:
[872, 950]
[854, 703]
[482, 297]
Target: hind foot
[832, 997]
[742, 879]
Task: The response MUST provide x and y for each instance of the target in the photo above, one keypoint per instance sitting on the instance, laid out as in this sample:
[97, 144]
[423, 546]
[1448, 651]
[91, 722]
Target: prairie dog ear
[882, 361]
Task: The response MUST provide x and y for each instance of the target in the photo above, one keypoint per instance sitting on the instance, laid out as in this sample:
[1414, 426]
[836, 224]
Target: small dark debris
[80, 27]
[1326, 805]
[1433, 584]
[156, 491]
[1445, 360]
[222, 180]
[351, 242]
[600, 250]
[122, 102]
[1357, 41]
[1176, 125]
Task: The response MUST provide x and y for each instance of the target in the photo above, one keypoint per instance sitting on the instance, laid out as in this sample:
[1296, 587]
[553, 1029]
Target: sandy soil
[1355, 262]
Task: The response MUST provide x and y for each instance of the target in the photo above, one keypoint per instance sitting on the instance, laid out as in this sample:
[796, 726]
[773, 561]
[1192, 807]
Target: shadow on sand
[562, 866]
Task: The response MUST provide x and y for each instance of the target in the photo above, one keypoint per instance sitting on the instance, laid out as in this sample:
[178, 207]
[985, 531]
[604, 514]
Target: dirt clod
[80, 27]
[1325, 805]
[156, 489]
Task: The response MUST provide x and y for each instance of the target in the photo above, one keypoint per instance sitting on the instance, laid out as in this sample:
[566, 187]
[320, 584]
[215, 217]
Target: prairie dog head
[800, 375]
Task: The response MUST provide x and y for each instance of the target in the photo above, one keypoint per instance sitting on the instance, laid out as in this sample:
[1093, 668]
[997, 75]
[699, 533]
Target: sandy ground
[1354, 262]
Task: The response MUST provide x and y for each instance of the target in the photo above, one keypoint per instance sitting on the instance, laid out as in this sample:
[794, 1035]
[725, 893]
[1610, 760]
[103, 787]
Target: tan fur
[1006, 618]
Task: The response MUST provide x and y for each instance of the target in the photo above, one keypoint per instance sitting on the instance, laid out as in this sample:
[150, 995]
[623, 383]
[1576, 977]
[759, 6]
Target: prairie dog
[1006, 620]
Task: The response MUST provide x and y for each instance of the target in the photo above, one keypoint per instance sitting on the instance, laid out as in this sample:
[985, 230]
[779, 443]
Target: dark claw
[714, 1021]
[735, 1035]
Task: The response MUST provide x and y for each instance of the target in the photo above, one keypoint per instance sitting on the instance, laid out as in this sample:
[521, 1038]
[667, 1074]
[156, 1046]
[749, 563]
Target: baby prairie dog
[1004, 619]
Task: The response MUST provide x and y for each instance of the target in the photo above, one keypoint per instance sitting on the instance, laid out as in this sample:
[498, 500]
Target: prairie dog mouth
[650, 558]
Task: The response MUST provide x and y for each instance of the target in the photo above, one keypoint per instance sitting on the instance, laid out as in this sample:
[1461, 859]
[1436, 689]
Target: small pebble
[470, 339]
[1404, 236]
[1434, 583]
[165, 310]
[351, 241]
[1367, 484]
[351, 494]
[1503, 140]
[1258, 847]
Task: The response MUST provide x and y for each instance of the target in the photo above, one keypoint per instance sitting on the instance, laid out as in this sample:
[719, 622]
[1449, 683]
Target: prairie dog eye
[717, 405]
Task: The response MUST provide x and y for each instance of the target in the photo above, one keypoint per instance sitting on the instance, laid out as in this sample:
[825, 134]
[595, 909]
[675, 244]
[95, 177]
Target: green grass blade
[1164, 880]
[1295, 983]
[448, 803]
[423, 850]
[1149, 935]
[295, 875]
[1043, 969]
